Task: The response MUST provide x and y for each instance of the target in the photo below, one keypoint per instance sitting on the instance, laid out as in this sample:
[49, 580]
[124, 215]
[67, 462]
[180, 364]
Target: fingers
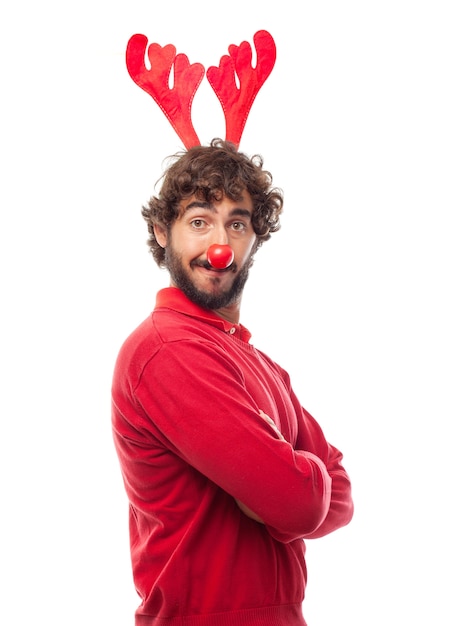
[271, 423]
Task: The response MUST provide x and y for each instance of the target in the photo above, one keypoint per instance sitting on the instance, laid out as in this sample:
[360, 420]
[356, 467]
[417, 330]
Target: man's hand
[248, 512]
[271, 423]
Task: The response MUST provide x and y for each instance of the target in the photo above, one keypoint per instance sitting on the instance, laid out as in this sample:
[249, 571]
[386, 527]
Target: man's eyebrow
[197, 204]
[241, 212]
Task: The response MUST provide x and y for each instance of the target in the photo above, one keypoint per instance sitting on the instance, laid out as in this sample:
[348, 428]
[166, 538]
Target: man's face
[198, 226]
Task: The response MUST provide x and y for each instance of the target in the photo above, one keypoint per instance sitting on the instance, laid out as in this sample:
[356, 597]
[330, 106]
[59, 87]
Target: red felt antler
[176, 103]
[237, 101]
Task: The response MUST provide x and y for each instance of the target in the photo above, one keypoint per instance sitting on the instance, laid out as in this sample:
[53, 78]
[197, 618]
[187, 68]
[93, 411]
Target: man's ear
[160, 234]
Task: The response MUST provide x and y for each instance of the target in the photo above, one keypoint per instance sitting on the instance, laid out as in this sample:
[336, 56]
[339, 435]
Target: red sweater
[187, 391]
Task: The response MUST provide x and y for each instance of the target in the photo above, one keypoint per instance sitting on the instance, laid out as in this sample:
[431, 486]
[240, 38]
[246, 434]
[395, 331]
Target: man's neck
[230, 313]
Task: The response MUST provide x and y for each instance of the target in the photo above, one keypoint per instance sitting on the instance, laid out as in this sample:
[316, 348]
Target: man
[226, 473]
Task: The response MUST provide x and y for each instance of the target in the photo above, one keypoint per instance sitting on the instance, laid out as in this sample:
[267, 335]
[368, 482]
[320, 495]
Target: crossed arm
[295, 485]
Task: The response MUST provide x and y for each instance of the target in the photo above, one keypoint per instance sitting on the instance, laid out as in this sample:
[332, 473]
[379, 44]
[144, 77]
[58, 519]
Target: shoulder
[164, 329]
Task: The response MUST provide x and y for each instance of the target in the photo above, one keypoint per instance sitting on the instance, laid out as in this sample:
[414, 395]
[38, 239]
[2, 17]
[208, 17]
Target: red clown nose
[220, 256]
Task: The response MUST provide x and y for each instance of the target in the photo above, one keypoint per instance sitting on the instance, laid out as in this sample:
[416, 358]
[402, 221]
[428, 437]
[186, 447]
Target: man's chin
[209, 300]
[216, 292]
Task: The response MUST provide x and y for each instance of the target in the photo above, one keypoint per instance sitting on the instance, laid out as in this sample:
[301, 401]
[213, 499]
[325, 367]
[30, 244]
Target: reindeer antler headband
[176, 102]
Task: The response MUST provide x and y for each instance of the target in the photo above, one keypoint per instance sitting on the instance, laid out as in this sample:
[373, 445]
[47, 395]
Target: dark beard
[205, 300]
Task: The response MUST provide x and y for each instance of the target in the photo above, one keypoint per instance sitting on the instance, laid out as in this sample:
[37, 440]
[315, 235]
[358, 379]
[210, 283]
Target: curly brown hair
[210, 173]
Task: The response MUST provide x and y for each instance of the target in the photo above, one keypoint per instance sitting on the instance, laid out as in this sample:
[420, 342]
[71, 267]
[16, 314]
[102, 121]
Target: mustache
[199, 263]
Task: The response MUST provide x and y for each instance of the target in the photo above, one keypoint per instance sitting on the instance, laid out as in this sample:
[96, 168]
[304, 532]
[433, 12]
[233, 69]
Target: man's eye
[198, 223]
[238, 226]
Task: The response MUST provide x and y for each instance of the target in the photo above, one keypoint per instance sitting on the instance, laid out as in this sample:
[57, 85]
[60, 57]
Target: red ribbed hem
[286, 615]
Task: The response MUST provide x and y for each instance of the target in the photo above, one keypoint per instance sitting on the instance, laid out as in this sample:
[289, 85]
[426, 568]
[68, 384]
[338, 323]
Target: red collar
[173, 298]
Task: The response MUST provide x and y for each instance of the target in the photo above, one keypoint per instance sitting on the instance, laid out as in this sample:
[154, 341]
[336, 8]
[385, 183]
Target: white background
[351, 296]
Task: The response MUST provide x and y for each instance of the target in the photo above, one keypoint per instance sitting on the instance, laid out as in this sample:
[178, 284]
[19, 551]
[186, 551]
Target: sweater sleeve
[193, 398]
[310, 437]
[341, 507]
[311, 440]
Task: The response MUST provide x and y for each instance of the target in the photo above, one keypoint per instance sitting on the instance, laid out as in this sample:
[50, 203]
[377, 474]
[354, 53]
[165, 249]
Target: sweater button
[232, 330]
